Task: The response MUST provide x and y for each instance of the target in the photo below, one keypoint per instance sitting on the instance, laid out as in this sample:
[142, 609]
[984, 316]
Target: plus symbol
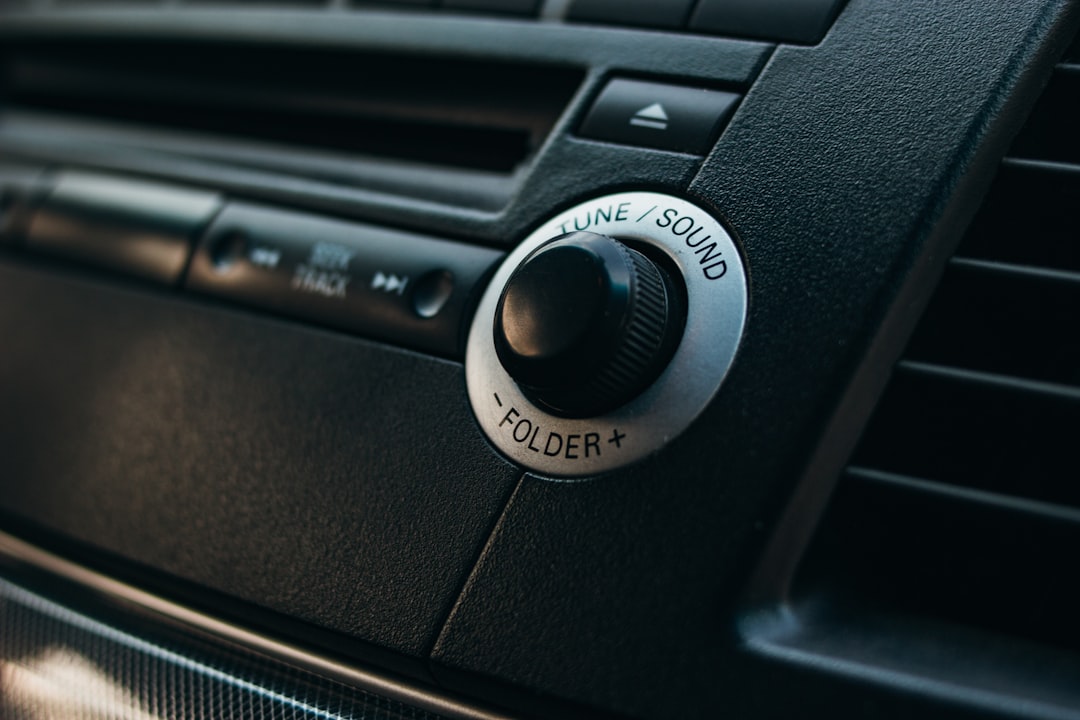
[616, 437]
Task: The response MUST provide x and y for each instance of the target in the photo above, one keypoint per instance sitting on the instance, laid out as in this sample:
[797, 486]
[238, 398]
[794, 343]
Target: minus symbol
[497, 399]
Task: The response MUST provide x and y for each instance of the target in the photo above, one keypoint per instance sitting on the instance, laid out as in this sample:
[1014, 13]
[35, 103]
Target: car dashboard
[522, 358]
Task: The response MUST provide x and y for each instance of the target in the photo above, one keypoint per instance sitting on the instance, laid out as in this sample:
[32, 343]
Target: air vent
[987, 398]
[1051, 132]
[305, 111]
[958, 519]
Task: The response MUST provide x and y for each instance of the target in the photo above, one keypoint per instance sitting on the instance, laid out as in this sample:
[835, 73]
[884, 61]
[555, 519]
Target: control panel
[605, 333]
[401, 287]
[599, 338]
[418, 334]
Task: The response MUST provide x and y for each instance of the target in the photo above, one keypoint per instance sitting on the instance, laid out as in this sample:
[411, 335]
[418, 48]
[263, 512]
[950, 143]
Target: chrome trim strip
[23, 552]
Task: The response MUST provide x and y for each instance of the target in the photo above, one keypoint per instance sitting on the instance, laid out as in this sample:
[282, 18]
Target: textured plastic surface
[834, 195]
[337, 481]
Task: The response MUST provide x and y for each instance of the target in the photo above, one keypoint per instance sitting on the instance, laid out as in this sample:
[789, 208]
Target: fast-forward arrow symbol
[389, 283]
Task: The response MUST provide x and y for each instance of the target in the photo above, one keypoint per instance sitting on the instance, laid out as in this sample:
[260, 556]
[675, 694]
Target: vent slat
[1050, 133]
[1029, 217]
[451, 112]
[922, 549]
[1072, 55]
[1006, 320]
[992, 380]
[996, 438]
[1038, 510]
[1029, 272]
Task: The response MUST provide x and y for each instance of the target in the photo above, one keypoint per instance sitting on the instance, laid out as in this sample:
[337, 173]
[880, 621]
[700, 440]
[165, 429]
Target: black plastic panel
[839, 173]
[340, 482]
[344, 483]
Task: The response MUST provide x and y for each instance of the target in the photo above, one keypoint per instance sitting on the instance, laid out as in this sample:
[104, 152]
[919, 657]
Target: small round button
[228, 249]
[586, 323]
[431, 292]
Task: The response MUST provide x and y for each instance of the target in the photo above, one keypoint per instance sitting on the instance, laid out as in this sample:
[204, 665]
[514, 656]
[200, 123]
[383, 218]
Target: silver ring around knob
[712, 269]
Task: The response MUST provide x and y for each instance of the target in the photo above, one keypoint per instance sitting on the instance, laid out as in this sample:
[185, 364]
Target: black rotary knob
[586, 323]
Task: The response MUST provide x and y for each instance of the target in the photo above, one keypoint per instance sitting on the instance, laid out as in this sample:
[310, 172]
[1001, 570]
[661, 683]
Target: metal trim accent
[28, 554]
[716, 287]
